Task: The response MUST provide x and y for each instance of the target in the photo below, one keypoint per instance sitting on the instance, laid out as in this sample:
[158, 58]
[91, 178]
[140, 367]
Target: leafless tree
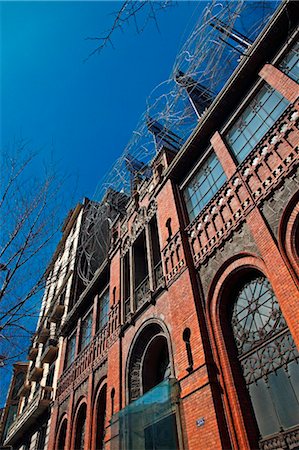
[140, 13]
[31, 208]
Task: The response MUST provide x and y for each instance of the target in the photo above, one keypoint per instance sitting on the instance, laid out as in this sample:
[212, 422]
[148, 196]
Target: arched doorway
[150, 420]
[264, 360]
[80, 426]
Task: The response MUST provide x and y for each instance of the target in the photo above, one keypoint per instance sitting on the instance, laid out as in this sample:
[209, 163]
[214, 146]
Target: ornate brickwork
[265, 167]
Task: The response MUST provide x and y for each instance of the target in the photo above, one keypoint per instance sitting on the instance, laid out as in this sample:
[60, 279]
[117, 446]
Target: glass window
[204, 185]
[290, 63]
[268, 357]
[86, 329]
[259, 116]
[70, 352]
[103, 310]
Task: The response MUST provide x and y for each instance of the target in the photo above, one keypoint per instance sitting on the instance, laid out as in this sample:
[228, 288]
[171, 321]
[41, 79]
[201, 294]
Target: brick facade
[182, 305]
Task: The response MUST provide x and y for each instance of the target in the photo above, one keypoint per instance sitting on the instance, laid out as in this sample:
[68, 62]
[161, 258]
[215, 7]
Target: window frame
[205, 156]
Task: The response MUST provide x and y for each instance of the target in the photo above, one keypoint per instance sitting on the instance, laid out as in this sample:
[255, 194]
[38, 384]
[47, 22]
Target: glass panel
[284, 398]
[148, 423]
[263, 408]
[86, 329]
[70, 354]
[204, 185]
[255, 121]
[290, 63]
[103, 310]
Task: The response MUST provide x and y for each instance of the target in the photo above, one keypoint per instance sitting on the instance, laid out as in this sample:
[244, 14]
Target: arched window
[62, 436]
[101, 415]
[80, 428]
[156, 364]
[269, 360]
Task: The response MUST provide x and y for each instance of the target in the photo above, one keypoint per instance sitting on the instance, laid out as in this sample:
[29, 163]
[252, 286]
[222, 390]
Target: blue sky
[80, 113]
[83, 112]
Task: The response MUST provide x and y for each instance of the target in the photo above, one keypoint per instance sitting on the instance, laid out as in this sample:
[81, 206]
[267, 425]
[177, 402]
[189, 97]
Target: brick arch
[288, 234]
[233, 268]
[80, 403]
[62, 421]
[145, 334]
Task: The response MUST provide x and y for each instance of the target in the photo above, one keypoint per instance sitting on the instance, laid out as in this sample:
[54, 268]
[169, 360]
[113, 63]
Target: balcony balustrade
[142, 293]
[159, 275]
[266, 166]
[29, 415]
[50, 351]
[91, 357]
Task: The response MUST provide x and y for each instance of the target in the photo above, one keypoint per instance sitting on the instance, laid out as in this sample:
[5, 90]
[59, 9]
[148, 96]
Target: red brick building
[187, 335]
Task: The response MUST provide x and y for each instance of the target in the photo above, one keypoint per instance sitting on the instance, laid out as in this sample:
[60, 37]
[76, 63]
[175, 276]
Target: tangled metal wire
[202, 67]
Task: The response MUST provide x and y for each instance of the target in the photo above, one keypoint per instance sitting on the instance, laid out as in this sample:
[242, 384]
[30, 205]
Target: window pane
[259, 116]
[263, 408]
[290, 63]
[103, 310]
[284, 398]
[86, 330]
[204, 185]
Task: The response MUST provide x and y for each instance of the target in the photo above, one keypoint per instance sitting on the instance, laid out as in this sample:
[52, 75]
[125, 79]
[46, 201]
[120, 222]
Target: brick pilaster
[281, 82]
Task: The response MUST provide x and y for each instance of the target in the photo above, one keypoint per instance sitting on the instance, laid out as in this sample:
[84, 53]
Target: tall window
[268, 357]
[259, 116]
[290, 63]
[70, 351]
[204, 185]
[80, 428]
[86, 329]
[103, 309]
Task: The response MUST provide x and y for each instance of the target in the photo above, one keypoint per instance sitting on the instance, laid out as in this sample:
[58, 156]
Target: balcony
[58, 310]
[50, 351]
[36, 373]
[33, 351]
[29, 415]
[43, 333]
[25, 389]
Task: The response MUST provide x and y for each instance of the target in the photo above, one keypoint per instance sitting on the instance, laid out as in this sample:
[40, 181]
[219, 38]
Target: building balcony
[33, 351]
[29, 415]
[58, 310]
[36, 373]
[50, 351]
[25, 389]
[43, 333]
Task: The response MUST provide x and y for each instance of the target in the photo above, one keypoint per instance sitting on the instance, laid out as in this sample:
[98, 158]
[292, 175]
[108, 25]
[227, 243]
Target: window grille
[268, 357]
[204, 185]
[259, 116]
